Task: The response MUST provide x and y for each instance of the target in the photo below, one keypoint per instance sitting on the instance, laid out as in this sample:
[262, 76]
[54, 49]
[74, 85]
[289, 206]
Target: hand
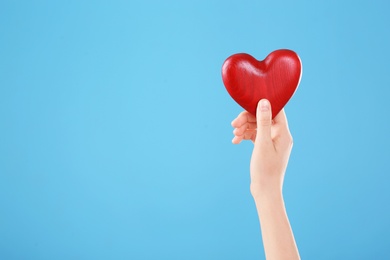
[271, 151]
[272, 147]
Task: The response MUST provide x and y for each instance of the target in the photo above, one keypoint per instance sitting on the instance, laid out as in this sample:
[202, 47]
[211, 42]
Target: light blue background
[115, 136]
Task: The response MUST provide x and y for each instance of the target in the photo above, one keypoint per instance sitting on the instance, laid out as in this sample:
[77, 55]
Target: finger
[281, 130]
[264, 120]
[241, 130]
[280, 122]
[248, 135]
[243, 118]
[237, 139]
[280, 118]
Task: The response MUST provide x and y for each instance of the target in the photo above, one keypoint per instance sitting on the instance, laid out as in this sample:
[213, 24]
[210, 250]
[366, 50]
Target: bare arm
[278, 238]
[272, 147]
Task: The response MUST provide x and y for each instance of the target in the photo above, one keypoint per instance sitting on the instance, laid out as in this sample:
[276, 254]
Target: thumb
[264, 120]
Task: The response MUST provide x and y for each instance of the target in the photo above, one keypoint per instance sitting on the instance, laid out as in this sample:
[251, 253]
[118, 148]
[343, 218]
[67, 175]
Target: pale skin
[272, 147]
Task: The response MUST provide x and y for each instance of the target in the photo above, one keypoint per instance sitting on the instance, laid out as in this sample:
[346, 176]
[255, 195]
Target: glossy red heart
[275, 78]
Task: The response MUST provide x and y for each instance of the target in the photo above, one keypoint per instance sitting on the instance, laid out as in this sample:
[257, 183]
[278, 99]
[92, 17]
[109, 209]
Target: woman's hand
[272, 146]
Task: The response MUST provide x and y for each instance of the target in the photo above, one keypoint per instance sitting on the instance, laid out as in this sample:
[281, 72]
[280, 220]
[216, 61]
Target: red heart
[276, 78]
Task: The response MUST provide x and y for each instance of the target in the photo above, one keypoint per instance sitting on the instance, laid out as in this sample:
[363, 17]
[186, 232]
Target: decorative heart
[275, 78]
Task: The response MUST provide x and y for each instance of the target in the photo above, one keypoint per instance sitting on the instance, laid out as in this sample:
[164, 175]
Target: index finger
[281, 119]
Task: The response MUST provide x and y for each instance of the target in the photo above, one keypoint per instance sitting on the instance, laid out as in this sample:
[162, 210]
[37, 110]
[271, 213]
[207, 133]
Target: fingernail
[264, 105]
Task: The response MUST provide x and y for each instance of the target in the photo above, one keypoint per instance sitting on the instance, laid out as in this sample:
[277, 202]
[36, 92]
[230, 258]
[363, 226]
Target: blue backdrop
[115, 136]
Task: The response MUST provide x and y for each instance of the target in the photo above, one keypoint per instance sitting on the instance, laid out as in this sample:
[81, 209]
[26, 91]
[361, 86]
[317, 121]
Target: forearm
[278, 238]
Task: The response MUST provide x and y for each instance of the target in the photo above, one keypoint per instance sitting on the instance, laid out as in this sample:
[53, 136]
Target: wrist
[269, 203]
[269, 192]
